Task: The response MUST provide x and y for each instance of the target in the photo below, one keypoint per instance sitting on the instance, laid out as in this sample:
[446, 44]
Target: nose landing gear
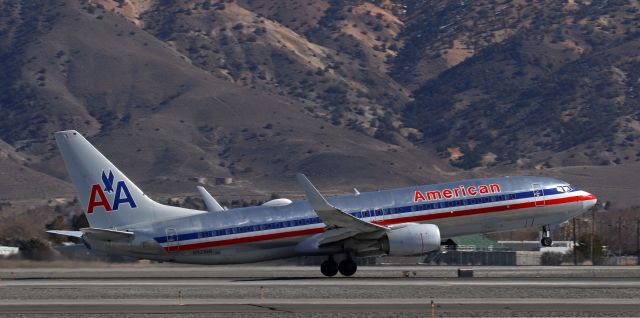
[330, 268]
[546, 236]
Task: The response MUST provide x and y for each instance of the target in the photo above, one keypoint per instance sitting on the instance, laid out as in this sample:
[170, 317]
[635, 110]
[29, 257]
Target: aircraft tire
[546, 241]
[329, 268]
[347, 267]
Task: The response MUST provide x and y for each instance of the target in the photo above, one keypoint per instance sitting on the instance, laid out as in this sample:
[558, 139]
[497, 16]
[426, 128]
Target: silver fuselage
[261, 233]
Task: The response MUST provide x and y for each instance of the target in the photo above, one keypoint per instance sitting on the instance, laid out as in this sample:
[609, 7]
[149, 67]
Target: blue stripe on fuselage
[466, 201]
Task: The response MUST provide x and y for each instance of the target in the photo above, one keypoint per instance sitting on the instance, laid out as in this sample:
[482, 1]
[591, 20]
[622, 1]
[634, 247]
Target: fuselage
[261, 233]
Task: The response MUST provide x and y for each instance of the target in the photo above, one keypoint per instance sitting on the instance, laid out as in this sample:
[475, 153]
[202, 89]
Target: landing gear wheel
[329, 268]
[348, 267]
[546, 236]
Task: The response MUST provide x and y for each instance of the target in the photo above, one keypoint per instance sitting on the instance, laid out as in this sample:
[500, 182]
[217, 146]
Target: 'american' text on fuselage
[458, 192]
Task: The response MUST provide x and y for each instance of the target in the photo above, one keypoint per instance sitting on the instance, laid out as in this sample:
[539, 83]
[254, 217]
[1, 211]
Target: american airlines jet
[402, 222]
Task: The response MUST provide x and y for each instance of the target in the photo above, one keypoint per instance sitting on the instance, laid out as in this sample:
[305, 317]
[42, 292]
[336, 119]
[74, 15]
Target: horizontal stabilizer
[330, 215]
[77, 234]
[106, 234]
[96, 234]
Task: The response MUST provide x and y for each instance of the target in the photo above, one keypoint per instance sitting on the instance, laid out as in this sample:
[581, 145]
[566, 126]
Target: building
[6, 251]
[562, 247]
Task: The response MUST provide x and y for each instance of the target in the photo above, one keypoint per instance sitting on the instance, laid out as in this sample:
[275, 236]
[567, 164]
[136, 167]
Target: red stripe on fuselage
[417, 218]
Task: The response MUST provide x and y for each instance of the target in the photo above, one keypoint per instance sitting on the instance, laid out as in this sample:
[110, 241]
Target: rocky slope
[379, 93]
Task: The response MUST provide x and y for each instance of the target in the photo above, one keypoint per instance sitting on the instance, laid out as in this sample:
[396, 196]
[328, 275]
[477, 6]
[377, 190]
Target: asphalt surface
[243, 291]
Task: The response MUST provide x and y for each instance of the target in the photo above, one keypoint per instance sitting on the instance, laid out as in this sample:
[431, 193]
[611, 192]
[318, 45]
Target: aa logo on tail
[99, 198]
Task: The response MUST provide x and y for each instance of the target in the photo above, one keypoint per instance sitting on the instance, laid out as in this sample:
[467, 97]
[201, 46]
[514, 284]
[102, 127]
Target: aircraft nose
[589, 201]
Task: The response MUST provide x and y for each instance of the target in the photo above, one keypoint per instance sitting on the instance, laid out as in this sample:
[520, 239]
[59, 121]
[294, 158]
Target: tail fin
[109, 199]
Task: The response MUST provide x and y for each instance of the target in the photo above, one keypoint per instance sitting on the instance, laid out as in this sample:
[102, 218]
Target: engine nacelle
[413, 239]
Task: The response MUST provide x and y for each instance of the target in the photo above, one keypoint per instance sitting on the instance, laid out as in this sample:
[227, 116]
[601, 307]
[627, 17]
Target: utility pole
[638, 240]
[593, 232]
[575, 256]
[619, 236]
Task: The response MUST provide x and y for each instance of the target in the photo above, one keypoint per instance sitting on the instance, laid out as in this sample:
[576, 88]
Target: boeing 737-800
[403, 222]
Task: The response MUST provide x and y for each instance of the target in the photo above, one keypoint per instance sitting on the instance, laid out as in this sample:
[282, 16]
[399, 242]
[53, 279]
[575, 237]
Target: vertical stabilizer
[108, 198]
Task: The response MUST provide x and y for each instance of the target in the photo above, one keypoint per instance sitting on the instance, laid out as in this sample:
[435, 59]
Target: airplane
[398, 222]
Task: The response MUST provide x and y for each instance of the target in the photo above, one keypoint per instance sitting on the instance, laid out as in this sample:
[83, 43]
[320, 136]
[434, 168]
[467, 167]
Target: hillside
[354, 93]
[161, 118]
[559, 77]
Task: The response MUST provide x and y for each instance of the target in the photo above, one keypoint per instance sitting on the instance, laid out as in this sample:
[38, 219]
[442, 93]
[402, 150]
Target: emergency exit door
[538, 194]
[173, 245]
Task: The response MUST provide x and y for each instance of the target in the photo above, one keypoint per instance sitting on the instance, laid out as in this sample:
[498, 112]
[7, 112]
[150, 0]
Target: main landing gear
[546, 236]
[330, 268]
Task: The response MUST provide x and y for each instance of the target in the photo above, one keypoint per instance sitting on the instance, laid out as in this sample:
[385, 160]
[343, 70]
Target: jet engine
[412, 239]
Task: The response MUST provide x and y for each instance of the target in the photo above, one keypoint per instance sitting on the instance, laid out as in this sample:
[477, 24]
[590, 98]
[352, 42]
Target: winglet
[316, 200]
[211, 203]
[330, 215]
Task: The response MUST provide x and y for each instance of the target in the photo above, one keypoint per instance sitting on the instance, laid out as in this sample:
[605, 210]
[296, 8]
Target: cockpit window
[564, 188]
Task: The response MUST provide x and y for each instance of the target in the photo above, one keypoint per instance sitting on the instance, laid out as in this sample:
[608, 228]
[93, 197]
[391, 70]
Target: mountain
[160, 117]
[354, 93]
[559, 77]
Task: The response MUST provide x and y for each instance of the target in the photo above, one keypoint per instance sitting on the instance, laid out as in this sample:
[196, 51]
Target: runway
[300, 291]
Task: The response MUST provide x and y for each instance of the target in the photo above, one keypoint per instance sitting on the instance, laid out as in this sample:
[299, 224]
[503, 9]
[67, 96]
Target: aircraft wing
[333, 217]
